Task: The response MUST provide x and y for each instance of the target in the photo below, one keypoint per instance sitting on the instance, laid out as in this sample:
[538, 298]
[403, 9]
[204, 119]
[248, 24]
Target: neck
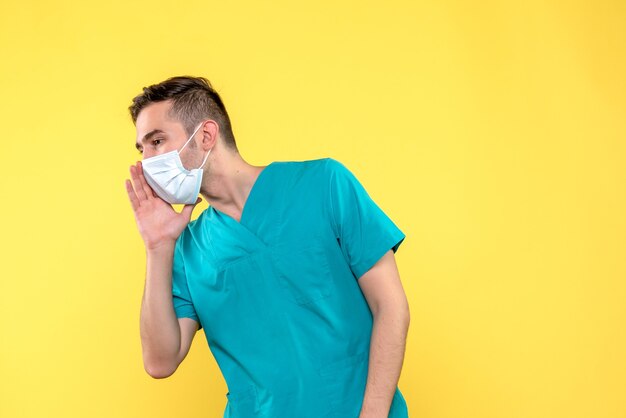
[227, 181]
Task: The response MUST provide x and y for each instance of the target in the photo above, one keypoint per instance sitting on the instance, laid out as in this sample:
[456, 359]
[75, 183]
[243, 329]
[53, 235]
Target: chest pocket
[303, 271]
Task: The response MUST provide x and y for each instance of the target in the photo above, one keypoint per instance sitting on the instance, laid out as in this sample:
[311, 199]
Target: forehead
[154, 116]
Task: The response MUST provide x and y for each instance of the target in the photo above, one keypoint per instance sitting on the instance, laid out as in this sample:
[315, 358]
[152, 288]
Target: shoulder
[338, 174]
[319, 168]
[335, 167]
[327, 174]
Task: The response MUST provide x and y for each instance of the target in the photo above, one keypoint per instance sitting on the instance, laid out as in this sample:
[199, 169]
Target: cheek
[191, 160]
[188, 161]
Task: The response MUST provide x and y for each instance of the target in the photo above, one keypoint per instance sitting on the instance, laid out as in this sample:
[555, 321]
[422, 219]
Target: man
[290, 270]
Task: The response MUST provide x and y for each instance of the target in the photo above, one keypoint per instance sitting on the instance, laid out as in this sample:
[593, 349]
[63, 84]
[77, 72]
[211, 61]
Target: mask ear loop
[205, 158]
[190, 138]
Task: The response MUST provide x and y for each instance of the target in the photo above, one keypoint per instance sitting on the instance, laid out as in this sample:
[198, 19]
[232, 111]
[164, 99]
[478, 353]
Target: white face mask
[170, 180]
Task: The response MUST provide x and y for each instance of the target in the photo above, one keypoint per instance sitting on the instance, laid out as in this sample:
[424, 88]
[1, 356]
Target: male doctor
[290, 270]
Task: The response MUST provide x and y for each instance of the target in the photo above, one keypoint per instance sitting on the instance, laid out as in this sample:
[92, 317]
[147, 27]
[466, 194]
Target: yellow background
[492, 133]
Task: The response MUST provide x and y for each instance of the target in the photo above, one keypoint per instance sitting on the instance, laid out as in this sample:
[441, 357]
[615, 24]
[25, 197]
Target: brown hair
[193, 100]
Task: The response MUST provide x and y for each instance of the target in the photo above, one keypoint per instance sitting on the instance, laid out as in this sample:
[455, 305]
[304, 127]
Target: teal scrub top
[277, 293]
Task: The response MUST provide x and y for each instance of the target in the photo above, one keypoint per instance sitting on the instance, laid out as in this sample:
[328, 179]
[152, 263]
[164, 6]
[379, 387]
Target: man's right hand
[158, 223]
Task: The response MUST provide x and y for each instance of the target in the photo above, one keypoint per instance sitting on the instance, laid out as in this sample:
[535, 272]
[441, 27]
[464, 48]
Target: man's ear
[210, 132]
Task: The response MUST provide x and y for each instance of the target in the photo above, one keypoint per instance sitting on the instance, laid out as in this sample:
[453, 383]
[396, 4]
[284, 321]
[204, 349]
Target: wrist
[160, 247]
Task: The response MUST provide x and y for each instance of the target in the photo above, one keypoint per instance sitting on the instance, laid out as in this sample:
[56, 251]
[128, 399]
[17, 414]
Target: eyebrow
[147, 137]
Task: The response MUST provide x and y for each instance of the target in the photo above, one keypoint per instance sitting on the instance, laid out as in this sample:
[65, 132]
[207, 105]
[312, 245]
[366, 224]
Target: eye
[156, 141]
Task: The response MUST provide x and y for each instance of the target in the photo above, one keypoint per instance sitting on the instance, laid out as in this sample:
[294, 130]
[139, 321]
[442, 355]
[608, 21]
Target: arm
[384, 293]
[368, 239]
[165, 338]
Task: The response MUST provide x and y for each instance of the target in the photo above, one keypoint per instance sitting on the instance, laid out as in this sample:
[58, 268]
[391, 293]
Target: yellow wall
[493, 133]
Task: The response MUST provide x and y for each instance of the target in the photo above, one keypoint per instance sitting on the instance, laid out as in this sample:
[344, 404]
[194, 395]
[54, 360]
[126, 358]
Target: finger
[146, 187]
[131, 195]
[141, 194]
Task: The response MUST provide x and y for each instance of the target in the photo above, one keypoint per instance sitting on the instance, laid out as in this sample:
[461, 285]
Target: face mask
[170, 180]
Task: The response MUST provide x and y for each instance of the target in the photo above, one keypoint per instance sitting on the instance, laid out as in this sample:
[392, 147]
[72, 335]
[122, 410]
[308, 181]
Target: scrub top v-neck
[277, 292]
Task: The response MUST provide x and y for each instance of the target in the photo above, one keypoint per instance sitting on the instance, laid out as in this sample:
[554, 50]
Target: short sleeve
[183, 305]
[365, 233]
